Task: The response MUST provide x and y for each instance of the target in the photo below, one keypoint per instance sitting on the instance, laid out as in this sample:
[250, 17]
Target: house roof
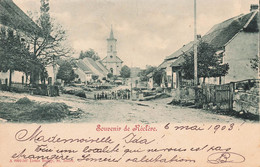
[12, 16]
[90, 66]
[178, 62]
[102, 66]
[186, 48]
[218, 36]
[150, 75]
[167, 63]
[222, 33]
[80, 64]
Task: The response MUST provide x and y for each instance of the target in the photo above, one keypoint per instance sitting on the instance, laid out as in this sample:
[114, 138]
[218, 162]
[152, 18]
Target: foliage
[66, 72]
[209, 64]
[47, 41]
[24, 100]
[109, 75]
[94, 77]
[254, 63]
[143, 74]
[158, 75]
[90, 54]
[125, 72]
[13, 53]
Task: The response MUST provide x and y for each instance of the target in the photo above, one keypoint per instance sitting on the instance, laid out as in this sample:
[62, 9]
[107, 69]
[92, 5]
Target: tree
[109, 75]
[66, 72]
[143, 74]
[158, 76]
[13, 53]
[47, 40]
[90, 54]
[94, 77]
[254, 63]
[209, 64]
[125, 72]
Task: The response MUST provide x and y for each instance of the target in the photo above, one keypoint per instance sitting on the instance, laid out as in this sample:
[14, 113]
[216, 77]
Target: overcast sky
[146, 30]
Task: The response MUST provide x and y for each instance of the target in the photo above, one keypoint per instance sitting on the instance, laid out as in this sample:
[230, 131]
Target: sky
[146, 30]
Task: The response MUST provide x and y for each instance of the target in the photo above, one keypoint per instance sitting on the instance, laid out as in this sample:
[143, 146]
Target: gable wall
[238, 54]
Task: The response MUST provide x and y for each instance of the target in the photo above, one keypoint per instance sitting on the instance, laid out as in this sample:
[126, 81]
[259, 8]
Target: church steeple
[112, 62]
[111, 33]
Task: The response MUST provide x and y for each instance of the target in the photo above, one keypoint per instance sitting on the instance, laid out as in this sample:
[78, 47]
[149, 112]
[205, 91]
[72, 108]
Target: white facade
[52, 72]
[111, 61]
[17, 77]
[84, 76]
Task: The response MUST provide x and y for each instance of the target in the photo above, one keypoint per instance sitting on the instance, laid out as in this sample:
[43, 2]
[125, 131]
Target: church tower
[111, 61]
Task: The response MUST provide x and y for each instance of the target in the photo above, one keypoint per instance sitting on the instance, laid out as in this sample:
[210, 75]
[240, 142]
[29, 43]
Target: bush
[4, 87]
[53, 90]
[24, 100]
[80, 94]
[19, 90]
[40, 90]
[47, 112]
[75, 91]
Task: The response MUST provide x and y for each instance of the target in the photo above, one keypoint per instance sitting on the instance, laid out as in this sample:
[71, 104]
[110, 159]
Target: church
[112, 62]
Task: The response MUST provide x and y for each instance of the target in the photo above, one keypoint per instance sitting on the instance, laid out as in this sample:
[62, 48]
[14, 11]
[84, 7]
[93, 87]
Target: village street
[126, 111]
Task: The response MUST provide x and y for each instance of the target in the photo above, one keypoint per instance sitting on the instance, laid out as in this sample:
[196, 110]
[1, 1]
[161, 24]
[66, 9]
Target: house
[112, 62]
[11, 16]
[235, 38]
[87, 67]
[171, 65]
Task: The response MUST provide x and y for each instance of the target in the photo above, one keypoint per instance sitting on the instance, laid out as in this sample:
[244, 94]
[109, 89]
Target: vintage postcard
[139, 83]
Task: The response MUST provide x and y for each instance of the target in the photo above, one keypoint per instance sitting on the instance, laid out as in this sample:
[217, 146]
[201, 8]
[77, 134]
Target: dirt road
[126, 111]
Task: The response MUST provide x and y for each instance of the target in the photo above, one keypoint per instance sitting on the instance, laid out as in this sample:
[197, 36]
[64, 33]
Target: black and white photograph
[129, 62]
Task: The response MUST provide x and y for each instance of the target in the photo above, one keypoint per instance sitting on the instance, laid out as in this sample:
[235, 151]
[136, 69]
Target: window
[111, 48]
[111, 70]
[111, 56]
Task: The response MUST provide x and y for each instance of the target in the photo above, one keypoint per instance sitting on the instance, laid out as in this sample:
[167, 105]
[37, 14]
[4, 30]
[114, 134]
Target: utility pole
[195, 47]
[131, 91]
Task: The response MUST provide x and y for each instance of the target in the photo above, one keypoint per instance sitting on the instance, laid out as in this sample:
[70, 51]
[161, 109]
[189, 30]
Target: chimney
[253, 7]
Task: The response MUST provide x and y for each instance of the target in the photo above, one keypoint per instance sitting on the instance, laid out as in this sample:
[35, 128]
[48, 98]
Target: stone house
[235, 38]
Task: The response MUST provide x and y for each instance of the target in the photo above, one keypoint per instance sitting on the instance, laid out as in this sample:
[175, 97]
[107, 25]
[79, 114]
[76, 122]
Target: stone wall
[247, 101]
[185, 95]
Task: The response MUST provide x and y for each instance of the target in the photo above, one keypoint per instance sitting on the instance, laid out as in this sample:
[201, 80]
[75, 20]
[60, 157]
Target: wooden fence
[222, 95]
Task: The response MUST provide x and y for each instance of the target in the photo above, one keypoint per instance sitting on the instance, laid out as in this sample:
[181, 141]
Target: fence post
[231, 94]
[207, 94]
[249, 84]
